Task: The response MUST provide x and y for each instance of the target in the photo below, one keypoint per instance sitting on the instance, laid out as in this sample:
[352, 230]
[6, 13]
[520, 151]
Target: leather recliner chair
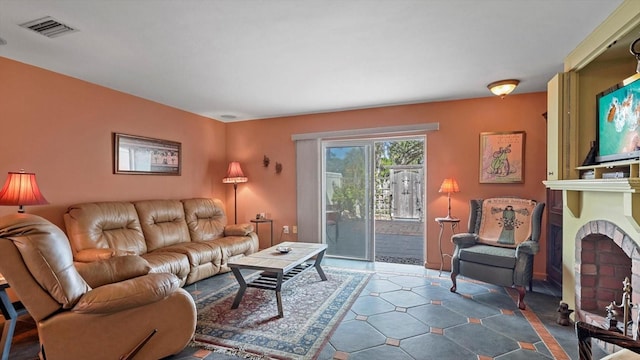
[114, 310]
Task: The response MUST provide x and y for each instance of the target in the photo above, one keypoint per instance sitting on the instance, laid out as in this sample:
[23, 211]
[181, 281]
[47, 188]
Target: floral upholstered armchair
[502, 240]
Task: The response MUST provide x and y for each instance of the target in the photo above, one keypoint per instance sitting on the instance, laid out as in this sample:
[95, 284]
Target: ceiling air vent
[48, 27]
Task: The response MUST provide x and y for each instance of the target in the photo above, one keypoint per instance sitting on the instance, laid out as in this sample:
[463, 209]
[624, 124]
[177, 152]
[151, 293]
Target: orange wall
[61, 129]
[451, 151]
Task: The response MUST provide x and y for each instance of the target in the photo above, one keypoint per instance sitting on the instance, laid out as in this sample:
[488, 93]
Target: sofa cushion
[197, 252]
[163, 223]
[46, 252]
[104, 225]
[205, 218]
[205, 258]
[113, 270]
[90, 255]
[127, 294]
[169, 262]
[236, 245]
[490, 255]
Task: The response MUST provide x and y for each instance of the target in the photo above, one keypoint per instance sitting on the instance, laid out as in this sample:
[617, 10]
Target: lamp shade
[21, 189]
[503, 88]
[234, 174]
[449, 185]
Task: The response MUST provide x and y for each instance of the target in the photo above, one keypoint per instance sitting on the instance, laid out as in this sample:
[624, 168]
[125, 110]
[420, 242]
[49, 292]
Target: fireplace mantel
[628, 188]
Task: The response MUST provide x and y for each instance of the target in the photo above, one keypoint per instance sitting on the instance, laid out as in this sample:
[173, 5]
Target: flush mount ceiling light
[502, 88]
[228, 117]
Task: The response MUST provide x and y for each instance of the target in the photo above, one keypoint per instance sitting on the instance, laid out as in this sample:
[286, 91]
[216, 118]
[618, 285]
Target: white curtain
[308, 167]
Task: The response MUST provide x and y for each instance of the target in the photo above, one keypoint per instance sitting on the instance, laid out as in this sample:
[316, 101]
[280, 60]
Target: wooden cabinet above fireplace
[600, 61]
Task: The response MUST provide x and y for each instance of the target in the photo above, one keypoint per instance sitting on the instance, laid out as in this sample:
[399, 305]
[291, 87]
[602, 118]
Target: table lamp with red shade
[21, 189]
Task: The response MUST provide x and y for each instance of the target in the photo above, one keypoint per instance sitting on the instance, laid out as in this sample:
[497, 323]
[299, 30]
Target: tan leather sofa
[120, 310]
[189, 238]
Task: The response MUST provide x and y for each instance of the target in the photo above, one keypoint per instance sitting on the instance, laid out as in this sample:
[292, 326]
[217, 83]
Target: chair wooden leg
[453, 280]
[521, 292]
[584, 341]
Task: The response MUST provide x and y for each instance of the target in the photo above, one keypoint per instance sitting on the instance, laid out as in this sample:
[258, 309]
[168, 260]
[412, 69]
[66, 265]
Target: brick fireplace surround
[600, 237]
[605, 255]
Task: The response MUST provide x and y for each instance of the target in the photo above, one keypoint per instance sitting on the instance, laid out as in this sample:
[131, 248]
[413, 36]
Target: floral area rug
[312, 310]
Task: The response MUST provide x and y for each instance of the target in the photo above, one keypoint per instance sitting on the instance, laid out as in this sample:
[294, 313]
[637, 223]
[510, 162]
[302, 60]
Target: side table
[454, 224]
[10, 311]
[260, 221]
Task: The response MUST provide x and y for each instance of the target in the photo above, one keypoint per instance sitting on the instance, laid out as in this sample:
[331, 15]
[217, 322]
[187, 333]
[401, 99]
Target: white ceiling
[257, 59]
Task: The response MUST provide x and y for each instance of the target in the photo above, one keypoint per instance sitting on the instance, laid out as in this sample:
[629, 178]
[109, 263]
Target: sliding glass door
[346, 202]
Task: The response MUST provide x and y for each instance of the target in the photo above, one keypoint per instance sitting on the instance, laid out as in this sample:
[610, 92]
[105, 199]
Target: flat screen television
[618, 118]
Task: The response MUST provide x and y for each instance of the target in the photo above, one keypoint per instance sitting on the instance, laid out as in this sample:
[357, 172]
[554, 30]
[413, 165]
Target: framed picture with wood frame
[502, 157]
[146, 156]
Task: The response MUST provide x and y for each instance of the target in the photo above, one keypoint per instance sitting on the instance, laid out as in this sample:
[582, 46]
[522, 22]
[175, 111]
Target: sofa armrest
[91, 255]
[238, 229]
[127, 294]
[112, 270]
[464, 239]
[528, 247]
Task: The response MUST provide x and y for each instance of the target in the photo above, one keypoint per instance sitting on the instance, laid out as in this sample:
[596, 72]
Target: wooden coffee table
[277, 268]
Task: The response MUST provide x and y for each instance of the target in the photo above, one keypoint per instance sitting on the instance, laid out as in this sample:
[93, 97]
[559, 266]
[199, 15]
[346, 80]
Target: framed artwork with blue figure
[502, 157]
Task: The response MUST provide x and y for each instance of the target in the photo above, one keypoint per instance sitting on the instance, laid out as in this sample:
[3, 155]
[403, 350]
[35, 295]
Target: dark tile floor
[407, 312]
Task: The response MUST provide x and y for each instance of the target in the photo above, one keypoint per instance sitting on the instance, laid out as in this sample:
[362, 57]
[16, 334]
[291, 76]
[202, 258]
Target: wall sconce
[21, 189]
[503, 88]
[266, 161]
[278, 168]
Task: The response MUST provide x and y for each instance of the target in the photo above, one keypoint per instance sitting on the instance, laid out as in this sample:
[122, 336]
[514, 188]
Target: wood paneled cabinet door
[562, 146]
[554, 133]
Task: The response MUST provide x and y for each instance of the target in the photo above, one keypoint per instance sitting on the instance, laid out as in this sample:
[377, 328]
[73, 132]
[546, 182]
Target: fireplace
[604, 256]
[599, 216]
